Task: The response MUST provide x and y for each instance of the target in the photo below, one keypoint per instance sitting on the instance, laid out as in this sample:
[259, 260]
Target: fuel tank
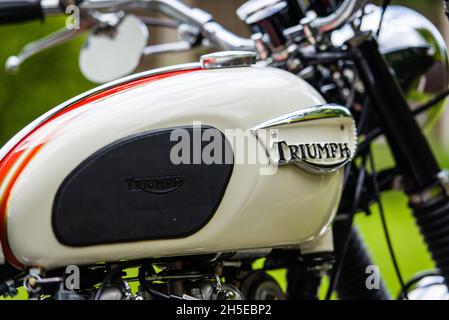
[187, 160]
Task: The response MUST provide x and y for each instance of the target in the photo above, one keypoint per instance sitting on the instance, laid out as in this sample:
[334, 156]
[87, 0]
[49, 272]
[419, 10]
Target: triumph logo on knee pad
[155, 185]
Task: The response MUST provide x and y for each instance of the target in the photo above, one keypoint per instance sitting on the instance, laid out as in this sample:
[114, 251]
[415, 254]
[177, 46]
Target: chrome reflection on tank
[326, 154]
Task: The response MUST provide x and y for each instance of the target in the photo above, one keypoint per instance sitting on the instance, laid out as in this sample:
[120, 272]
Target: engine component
[8, 288]
[63, 294]
[112, 293]
[258, 285]
[218, 291]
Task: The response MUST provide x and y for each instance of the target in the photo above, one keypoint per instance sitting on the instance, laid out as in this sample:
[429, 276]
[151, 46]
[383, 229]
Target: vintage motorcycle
[189, 174]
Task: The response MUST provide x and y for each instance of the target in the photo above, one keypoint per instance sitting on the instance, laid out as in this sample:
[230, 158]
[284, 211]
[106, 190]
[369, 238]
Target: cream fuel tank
[219, 156]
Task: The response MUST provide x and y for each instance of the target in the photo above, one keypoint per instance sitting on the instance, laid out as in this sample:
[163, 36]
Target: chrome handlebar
[204, 21]
[176, 9]
[339, 17]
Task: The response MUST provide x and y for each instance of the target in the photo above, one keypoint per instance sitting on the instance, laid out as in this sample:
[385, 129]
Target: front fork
[424, 182]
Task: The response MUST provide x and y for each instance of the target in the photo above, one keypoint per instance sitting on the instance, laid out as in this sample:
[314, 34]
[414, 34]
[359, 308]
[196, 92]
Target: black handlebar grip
[20, 10]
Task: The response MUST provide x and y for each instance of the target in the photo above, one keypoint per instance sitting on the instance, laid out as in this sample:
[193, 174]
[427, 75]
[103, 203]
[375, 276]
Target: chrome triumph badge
[319, 139]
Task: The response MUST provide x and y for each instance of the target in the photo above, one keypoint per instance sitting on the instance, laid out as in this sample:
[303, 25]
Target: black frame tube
[412, 153]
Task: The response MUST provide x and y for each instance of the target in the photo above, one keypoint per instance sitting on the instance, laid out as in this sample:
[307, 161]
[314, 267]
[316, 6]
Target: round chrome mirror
[110, 53]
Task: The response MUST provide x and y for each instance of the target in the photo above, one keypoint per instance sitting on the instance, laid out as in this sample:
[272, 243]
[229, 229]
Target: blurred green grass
[52, 77]
[42, 82]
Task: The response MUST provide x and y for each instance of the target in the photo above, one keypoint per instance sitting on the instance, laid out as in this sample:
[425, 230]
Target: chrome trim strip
[317, 168]
[325, 111]
[30, 127]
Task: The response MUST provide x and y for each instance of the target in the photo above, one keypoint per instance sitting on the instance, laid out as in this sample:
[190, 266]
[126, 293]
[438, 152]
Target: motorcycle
[191, 173]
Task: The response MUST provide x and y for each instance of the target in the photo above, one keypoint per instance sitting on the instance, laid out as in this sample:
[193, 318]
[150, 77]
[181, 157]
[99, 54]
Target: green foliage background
[53, 76]
[42, 82]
